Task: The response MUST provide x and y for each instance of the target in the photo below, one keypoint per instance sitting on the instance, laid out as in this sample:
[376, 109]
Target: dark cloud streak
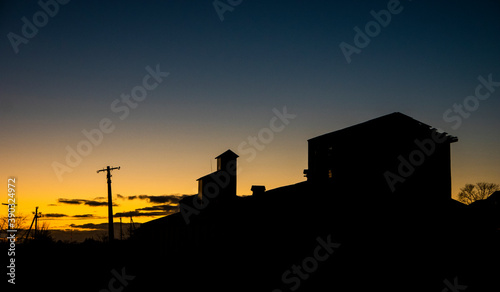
[91, 203]
[54, 215]
[59, 215]
[168, 208]
[140, 214]
[164, 199]
[70, 202]
[86, 216]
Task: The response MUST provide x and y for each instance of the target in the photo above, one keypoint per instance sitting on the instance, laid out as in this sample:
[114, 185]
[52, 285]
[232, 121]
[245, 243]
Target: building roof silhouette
[228, 153]
[395, 122]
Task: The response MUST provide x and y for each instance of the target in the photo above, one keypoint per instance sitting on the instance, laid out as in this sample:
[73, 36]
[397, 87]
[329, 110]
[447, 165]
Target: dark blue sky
[227, 76]
[263, 53]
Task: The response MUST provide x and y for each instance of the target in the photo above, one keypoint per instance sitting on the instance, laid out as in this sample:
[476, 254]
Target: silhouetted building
[393, 153]
[487, 211]
[494, 199]
[347, 199]
[221, 184]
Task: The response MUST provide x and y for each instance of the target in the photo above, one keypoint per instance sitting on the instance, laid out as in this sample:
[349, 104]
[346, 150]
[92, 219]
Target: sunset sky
[219, 82]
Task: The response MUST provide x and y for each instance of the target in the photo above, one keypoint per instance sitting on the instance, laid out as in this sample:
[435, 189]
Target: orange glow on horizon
[155, 169]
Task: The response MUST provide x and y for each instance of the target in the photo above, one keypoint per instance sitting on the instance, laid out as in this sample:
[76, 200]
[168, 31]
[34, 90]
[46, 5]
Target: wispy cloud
[100, 226]
[96, 203]
[140, 214]
[169, 205]
[167, 208]
[60, 215]
[70, 201]
[54, 215]
[163, 205]
[86, 216]
[91, 203]
[164, 199]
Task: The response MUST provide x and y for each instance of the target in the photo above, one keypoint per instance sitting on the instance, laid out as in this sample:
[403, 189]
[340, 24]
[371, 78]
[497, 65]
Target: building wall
[220, 184]
[361, 159]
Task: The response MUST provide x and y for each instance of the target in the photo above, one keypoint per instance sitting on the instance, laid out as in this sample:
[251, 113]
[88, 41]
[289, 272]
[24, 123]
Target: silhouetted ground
[248, 244]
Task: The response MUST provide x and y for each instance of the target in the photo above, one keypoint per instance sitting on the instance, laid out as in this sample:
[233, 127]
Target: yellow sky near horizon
[31, 193]
[156, 170]
[44, 190]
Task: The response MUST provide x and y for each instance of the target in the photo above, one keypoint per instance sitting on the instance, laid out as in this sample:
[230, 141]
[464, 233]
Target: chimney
[258, 190]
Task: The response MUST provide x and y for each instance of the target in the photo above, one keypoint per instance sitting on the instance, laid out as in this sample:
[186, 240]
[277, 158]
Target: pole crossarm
[110, 168]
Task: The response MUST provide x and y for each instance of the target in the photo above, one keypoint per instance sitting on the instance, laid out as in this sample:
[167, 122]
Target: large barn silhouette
[379, 191]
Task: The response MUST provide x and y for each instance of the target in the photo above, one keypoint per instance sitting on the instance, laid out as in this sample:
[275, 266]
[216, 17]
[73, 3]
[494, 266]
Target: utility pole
[131, 227]
[35, 220]
[110, 201]
[121, 232]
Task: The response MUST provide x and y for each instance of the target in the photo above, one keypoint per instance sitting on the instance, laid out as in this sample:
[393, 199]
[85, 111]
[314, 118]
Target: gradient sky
[225, 78]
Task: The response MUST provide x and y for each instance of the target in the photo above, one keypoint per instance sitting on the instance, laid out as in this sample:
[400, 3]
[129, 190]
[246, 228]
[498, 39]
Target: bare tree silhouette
[19, 224]
[480, 191]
